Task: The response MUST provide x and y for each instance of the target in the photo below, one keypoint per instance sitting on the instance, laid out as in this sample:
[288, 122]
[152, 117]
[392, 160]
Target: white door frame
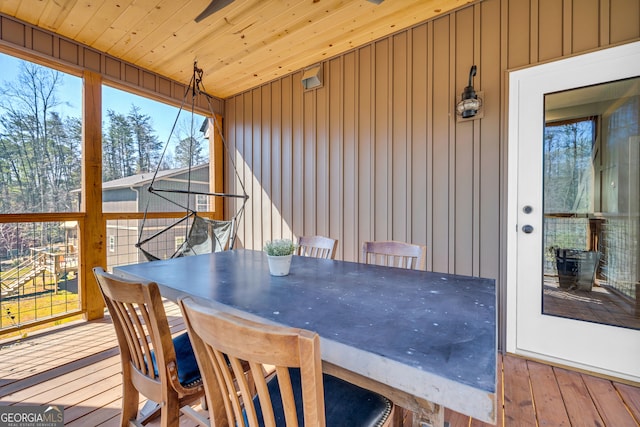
[561, 341]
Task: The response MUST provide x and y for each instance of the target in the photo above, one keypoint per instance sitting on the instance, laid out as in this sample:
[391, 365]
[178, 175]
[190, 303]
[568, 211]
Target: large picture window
[591, 203]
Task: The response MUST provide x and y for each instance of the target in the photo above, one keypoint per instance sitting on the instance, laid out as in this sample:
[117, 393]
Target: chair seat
[345, 404]
[188, 371]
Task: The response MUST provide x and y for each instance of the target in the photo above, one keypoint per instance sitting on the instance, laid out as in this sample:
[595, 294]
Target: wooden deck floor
[77, 366]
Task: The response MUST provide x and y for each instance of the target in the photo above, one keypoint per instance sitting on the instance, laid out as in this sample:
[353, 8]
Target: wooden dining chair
[395, 254]
[161, 368]
[317, 247]
[296, 393]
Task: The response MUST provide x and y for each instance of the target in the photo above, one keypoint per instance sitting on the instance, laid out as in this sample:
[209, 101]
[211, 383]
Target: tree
[129, 145]
[117, 148]
[188, 151]
[147, 144]
[568, 165]
[35, 169]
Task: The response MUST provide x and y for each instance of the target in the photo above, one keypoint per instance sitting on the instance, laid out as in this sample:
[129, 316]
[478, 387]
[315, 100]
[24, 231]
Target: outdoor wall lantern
[470, 103]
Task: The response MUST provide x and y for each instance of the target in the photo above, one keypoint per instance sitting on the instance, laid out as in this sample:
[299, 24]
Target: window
[591, 206]
[142, 136]
[40, 138]
[202, 203]
[40, 178]
[179, 241]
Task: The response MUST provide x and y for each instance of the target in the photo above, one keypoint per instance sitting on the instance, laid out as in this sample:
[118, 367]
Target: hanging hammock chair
[201, 234]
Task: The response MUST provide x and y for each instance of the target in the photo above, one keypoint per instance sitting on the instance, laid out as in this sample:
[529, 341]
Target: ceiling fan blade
[213, 7]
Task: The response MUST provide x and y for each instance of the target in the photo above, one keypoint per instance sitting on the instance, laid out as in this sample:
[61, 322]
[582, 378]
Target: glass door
[574, 191]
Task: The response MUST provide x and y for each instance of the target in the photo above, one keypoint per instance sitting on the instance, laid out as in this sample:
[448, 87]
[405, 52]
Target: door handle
[527, 229]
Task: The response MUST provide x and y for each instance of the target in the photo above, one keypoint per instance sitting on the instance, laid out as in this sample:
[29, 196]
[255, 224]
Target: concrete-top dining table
[425, 340]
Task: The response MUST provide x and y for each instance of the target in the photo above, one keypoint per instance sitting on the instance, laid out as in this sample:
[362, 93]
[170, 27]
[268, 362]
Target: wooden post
[92, 250]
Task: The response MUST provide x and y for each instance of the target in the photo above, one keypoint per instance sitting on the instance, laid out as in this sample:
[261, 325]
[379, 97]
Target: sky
[162, 115]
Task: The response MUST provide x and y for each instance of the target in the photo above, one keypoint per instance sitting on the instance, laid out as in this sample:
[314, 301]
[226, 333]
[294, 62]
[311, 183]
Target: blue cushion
[188, 371]
[345, 404]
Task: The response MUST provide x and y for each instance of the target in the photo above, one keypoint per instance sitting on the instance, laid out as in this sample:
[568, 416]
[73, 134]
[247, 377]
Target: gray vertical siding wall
[377, 153]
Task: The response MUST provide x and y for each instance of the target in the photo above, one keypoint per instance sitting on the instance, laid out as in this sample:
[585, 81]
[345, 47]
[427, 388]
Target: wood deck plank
[518, 402]
[101, 388]
[61, 386]
[550, 409]
[609, 404]
[60, 371]
[580, 407]
[110, 412]
[108, 397]
[631, 397]
[29, 356]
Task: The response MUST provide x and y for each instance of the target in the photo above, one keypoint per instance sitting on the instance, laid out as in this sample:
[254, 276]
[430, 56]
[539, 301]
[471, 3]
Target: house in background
[131, 194]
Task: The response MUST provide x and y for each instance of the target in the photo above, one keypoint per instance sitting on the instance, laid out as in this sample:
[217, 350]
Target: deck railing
[39, 262]
[38, 272]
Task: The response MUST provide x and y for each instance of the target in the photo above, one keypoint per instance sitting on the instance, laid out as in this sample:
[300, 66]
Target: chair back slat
[144, 338]
[136, 335]
[394, 254]
[141, 318]
[234, 342]
[317, 247]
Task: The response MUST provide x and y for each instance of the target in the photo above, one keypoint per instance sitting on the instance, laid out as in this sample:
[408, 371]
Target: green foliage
[189, 152]
[146, 142]
[189, 148]
[568, 150]
[130, 145]
[279, 247]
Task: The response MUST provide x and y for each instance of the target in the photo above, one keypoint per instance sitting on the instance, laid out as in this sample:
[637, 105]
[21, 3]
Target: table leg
[150, 410]
[410, 411]
[433, 417]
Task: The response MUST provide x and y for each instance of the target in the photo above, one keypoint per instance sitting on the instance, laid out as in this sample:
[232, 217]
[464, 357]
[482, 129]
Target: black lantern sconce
[470, 103]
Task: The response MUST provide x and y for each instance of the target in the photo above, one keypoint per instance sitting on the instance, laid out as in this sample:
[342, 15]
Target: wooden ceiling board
[54, 14]
[150, 35]
[245, 44]
[129, 23]
[79, 15]
[296, 46]
[306, 48]
[225, 33]
[11, 7]
[101, 22]
[27, 10]
[168, 44]
[285, 42]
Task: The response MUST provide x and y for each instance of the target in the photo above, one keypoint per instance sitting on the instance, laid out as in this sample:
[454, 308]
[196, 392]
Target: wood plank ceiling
[240, 46]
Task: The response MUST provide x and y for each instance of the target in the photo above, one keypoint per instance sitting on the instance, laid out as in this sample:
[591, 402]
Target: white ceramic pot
[279, 265]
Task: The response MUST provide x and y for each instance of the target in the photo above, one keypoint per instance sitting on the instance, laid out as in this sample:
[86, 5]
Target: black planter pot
[576, 268]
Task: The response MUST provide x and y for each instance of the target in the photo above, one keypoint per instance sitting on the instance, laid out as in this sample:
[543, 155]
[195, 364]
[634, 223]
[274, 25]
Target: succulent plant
[279, 247]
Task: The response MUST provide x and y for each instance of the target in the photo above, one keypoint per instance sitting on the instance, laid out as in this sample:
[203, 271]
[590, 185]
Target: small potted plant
[279, 253]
